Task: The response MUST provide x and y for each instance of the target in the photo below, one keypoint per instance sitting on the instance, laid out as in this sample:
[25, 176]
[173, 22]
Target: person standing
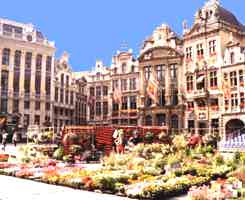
[4, 139]
[15, 138]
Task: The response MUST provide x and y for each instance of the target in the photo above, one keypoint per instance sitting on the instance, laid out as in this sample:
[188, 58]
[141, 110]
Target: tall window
[15, 105]
[17, 59]
[234, 101]
[98, 108]
[124, 68]
[98, 91]
[17, 62]
[232, 58]
[38, 83]
[105, 90]
[28, 60]
[124, 103]
[115, 106]
[62, 80]
[56, 94]
[133, 102]
[160, 73]
[114, 85]
[48, 85]
[241, 77]
[27, 81]
[37, 119]
[4, 91]
[48, 63]
[5, 56]
[174, 97]
[72, 98]
[67, 81]
[124, 85]
[39, 62]
[233, 79]
[213, 79]
[173, 71]
[37, 105]
[67, 97]
[91, 91]
[162, 98]
[188, 53]
[61, 95]
[105, 108]
[200, 50]
[132, 84]
[189, 81]
[212, 47]
[242, 100]
[174, 122]
[147, 71]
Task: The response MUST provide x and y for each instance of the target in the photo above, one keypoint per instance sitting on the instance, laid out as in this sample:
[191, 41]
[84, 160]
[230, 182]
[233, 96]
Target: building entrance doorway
[234, 127]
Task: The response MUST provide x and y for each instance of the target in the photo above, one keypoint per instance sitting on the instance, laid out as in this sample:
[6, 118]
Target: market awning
[200, 79]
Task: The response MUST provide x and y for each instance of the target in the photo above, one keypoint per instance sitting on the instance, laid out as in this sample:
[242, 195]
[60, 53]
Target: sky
[95, 29]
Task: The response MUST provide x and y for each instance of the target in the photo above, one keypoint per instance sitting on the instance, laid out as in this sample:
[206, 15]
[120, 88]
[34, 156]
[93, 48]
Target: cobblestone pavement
[13, 188]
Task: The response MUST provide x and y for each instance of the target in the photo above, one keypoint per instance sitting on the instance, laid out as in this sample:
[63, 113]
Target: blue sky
[95, 29]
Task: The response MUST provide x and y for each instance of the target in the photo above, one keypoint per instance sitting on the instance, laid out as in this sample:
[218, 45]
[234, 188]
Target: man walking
[4, 139]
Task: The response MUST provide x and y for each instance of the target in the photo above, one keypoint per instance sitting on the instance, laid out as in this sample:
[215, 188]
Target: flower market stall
[147, 171]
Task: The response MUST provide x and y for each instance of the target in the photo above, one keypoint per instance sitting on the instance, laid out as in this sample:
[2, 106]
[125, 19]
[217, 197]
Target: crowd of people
[121, 143]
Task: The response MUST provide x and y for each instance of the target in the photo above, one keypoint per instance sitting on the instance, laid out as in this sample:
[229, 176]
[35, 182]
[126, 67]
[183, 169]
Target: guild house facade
[26, 71]
[192, 82]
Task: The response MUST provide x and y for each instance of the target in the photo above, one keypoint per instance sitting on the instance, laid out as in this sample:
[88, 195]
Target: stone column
[10, 81]
[21, 85]
[43, 111]
[32, 89]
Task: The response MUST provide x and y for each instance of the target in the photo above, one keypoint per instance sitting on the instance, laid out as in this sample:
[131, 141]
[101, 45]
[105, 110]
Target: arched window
[148, 120]
[161, 119]
[174, 122]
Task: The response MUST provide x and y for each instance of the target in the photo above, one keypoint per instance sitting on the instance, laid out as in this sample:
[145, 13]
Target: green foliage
[75, 149]
[59, 153]
[149, 137]
[219, 160]
[68, 158]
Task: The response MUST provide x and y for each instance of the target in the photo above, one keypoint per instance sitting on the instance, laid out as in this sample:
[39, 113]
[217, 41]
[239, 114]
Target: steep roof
[228, 17]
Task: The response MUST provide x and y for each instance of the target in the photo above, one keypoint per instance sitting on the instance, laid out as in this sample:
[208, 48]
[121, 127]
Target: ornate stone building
[125, 84]
[214, 70]
[161, 59]
[26, 71]
[70, 101]
[99, 101]
[113, 91]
